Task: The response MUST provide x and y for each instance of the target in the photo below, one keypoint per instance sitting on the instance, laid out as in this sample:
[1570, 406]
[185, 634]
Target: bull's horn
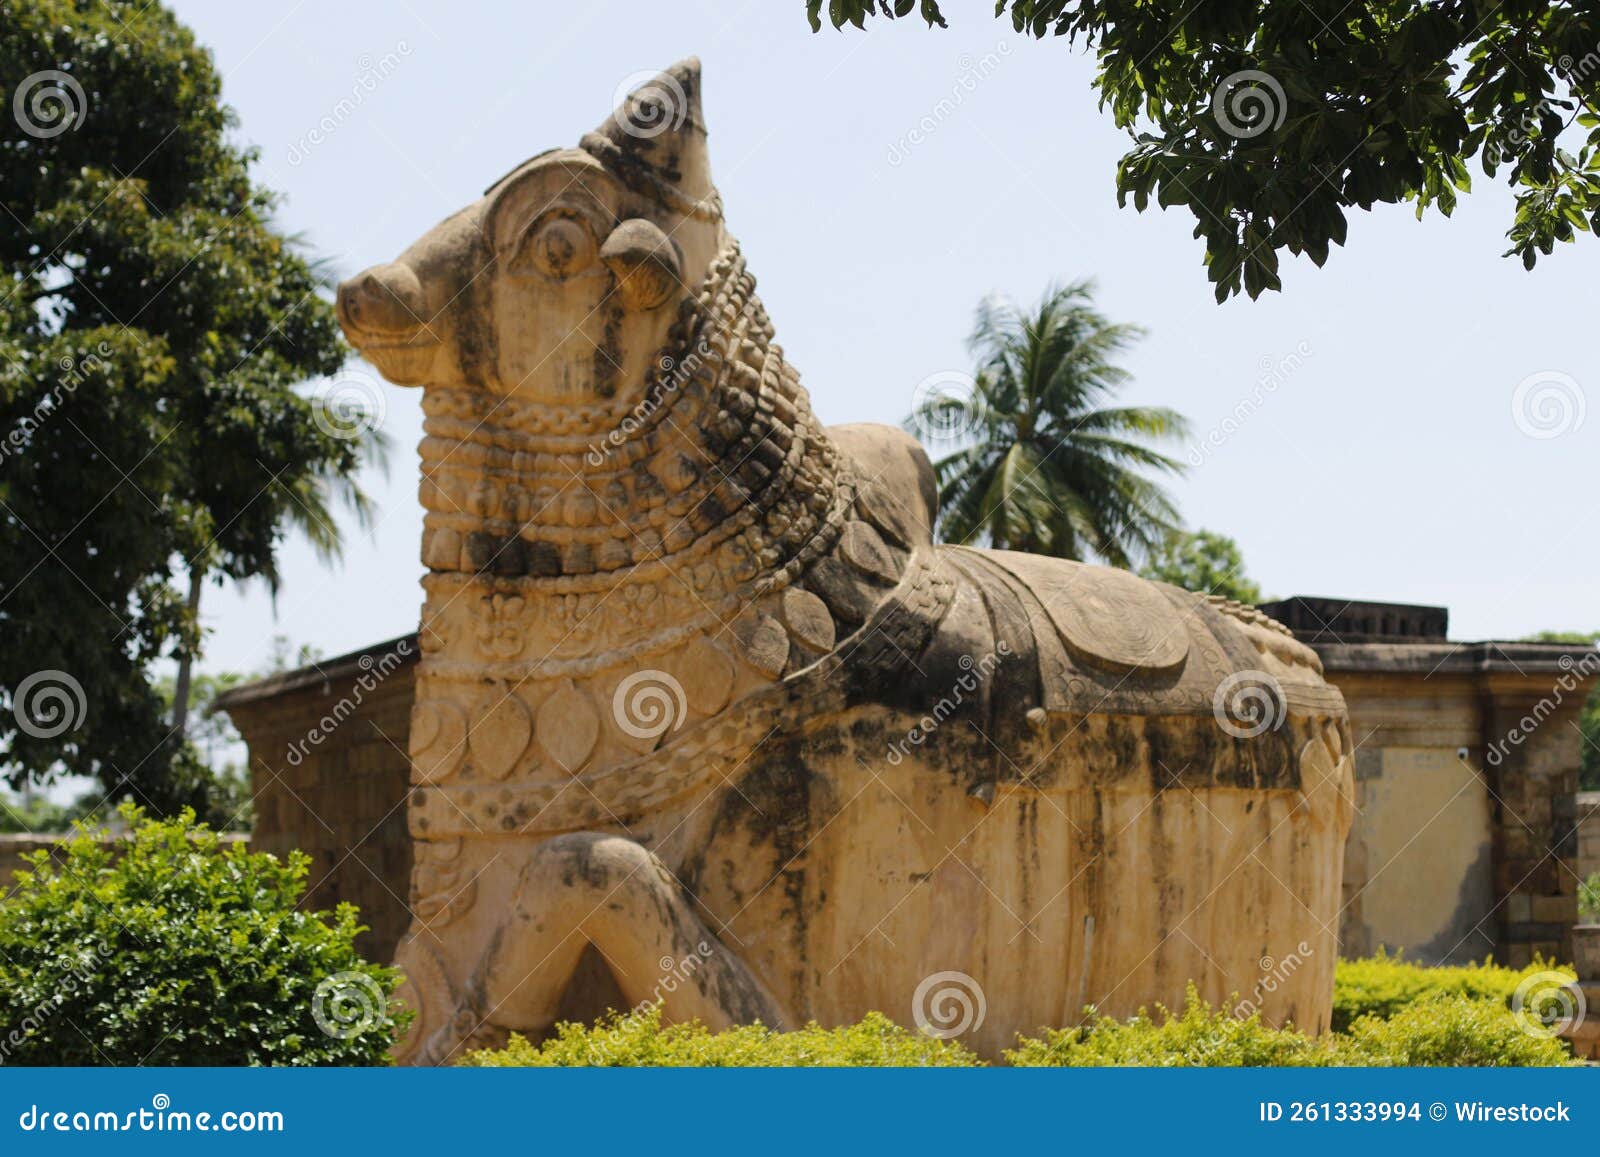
[658, 128]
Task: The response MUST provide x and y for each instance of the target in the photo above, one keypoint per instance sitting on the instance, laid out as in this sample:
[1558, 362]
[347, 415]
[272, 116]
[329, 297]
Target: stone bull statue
[705, 717]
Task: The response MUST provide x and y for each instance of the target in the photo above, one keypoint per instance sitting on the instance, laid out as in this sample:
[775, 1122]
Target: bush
[1200, 1036]
[1439, 1030]
[1446, 1030]
[169, 948]
[1589, 898]
[1449, 1030]
[1383, 985]
[638, 1039]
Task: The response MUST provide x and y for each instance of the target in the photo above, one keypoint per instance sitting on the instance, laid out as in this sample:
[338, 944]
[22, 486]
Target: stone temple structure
[698, 695]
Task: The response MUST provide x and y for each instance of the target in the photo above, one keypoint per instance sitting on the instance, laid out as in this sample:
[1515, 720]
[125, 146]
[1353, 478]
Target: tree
[1589, 720]
[1037, 466]
[1269, 120]
[153, 329]
[1203, 561]
[305, 506]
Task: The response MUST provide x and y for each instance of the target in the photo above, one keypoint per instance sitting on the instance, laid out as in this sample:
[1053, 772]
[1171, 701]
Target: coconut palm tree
[1037, 464]
[304, 506]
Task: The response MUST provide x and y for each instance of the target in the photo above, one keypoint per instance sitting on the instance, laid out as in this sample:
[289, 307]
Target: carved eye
[557, 247]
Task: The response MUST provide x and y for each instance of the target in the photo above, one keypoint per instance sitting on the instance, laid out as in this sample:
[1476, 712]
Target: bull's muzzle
[384, 314]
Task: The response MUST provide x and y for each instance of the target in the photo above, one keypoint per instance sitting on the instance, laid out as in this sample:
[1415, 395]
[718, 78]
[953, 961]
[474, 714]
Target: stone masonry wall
[1588, 833]
[330, 772]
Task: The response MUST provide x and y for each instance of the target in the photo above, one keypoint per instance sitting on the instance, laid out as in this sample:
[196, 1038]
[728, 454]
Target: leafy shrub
[1199, 1036]
[1448, 1030]
[1589, 898]
[1383, 985]
[170, 948]
[1439, 1030]
[639, 1039]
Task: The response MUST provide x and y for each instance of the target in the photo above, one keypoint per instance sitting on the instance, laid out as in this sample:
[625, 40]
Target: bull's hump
[1106, 617]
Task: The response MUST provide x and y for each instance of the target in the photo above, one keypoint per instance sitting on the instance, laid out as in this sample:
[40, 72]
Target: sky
[1361, 434]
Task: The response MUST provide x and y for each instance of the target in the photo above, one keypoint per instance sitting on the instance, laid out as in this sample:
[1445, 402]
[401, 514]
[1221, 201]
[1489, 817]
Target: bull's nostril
[386, 299]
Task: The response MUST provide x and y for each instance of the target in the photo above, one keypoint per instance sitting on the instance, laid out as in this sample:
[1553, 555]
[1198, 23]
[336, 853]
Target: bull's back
[1043, 808]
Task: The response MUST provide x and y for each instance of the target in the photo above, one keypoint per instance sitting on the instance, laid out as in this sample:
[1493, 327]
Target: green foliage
[640, 1040]
[1377, 101]
[1448, 1030]
[1382, 986]
[1203, 561]
[1459, 1018]
[173, 949]
[1589, 898]
[1441, 1030]
[1040, 465]
[40, 815]
[1200, 1036]
[152, 333]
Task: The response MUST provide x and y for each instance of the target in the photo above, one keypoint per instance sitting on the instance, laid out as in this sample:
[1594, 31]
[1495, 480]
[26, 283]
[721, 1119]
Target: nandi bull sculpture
[704, 717]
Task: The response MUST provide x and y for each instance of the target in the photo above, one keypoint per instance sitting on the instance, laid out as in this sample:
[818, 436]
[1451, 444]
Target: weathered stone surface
[867, 761]
[808, 620]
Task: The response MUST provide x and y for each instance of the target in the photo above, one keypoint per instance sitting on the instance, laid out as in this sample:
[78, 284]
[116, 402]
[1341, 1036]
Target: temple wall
[330, 772]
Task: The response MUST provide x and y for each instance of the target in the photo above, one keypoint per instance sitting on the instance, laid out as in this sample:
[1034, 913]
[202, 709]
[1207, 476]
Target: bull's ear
[645, 262]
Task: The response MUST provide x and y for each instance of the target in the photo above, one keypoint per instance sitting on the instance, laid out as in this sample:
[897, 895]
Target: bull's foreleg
[576, 890]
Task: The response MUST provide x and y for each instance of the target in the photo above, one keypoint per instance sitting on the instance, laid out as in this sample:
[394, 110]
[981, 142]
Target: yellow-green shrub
[1460, 1018]
[1436, 1031]
[639, 1039]
[1383, 985]
[1448, 1030]
[1200, 1036]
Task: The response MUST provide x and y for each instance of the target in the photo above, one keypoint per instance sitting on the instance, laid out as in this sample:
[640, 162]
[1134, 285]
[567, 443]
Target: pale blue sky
[1385, 464]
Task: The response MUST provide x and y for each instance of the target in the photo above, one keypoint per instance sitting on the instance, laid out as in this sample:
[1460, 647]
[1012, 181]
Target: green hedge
[1437, 1030]
[639, 1039]
[1383, 985]
[1449, 1029]
[168, 948]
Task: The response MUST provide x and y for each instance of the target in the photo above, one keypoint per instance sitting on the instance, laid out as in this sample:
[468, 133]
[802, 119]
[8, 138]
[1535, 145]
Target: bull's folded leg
[572, 891]
[586, 888]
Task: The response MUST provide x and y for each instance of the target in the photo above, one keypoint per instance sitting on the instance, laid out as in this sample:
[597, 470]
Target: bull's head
[559, 285]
